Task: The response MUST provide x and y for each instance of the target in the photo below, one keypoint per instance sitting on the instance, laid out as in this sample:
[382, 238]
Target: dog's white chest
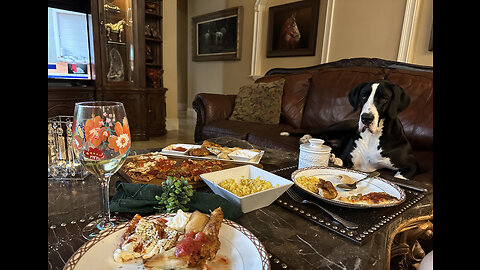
[366, 154]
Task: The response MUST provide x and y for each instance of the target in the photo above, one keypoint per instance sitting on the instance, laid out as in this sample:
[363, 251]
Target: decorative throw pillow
[259, 102]
[295, 91]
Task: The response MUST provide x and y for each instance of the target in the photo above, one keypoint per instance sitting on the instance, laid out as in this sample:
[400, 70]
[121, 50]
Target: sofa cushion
[259, 102]
[327, 101]
[417, 118]
[295, 92]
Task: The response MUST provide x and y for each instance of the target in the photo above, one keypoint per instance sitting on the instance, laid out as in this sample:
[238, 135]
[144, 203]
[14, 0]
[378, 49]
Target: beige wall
[219, 76]
[366, 28]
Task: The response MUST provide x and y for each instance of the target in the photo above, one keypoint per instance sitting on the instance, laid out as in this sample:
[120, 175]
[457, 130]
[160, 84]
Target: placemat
[369, 220]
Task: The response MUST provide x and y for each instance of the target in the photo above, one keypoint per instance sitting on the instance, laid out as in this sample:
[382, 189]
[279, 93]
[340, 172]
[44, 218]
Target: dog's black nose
[367, 118]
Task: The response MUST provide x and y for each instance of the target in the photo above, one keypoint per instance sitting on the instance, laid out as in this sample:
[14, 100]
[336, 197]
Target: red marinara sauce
[190, 243]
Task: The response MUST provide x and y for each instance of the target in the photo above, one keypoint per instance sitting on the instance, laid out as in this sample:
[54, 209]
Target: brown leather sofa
[316, 97]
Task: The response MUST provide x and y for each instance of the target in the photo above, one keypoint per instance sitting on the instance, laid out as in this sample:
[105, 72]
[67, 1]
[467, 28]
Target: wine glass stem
[105, 182]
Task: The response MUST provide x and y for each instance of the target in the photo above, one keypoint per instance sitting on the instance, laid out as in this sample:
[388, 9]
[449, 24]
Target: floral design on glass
[121, 142]
[94, 153]
[97, 131]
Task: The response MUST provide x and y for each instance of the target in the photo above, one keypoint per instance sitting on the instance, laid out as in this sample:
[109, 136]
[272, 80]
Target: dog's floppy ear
[400, 101]
[354, 95]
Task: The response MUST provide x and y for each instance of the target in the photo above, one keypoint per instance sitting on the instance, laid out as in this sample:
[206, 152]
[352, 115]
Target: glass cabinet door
[118, 38]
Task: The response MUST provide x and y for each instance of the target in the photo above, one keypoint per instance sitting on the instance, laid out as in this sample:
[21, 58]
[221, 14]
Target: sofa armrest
[211, 107]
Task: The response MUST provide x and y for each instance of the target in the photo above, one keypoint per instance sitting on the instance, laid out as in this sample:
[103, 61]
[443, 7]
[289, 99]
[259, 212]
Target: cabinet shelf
[153, 39]
[153, 65]
[153, 15]
[116, 42]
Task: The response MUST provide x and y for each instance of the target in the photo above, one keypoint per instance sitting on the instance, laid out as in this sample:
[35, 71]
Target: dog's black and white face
[378, 100]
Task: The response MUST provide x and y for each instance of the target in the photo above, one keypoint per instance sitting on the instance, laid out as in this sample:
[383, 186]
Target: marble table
[292, 242]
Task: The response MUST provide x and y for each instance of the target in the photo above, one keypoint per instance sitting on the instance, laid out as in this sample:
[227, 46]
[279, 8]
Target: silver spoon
[354, 185]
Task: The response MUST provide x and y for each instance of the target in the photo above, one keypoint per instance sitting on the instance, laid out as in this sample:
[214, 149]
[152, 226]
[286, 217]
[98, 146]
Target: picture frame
[285, 22]
[217, 35]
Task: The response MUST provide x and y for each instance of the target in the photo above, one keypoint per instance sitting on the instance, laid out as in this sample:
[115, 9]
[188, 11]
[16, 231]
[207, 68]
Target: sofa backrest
[326, 102]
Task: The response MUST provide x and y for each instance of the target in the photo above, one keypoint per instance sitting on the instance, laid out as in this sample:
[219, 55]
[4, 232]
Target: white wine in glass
[101, 142]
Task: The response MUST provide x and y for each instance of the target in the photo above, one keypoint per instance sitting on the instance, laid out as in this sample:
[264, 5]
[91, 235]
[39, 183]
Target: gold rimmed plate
[238, 245]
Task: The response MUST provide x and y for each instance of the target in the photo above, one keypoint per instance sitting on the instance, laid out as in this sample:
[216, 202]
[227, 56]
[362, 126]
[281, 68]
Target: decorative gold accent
[408, 251]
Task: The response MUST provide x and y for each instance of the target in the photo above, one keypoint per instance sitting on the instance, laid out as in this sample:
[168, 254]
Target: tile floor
[184, 134]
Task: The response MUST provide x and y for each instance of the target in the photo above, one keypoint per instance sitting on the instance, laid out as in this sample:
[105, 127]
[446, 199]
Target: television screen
[70, 45]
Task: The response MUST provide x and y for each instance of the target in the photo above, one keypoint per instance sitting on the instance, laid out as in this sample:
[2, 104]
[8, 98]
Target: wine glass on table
[101, 142]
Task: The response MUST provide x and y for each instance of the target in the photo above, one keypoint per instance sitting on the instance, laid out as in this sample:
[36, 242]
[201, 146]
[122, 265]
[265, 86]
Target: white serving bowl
[253, 201]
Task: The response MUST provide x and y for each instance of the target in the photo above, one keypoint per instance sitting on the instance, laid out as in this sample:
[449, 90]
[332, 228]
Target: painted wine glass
[101, 142]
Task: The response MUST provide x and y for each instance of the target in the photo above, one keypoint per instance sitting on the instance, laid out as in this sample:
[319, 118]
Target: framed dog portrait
[292, 29]
[217, 35]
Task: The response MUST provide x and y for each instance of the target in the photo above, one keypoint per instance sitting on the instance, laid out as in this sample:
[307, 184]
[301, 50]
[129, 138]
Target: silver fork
[297, 198]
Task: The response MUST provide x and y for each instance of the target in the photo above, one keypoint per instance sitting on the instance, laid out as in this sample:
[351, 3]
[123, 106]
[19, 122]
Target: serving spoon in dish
[354, 184]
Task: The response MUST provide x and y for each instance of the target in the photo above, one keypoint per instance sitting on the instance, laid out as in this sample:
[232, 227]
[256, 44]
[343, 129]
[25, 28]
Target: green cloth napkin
[140, 198]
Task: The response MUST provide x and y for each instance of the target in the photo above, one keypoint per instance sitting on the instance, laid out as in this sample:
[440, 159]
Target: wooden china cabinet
[128, 65]
[122, 61]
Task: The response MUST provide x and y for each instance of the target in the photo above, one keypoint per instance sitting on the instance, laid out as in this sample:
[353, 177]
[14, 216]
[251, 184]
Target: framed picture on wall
[217, 35]
[292, 29]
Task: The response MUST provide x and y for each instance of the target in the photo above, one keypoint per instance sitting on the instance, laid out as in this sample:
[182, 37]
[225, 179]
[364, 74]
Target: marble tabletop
[292, 242]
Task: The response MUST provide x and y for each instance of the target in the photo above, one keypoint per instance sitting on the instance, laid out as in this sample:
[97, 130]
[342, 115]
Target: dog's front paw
[399, 175]
[335, 160]
[305, 138]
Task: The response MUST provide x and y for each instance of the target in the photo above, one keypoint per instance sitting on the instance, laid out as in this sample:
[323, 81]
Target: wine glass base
[93, 228]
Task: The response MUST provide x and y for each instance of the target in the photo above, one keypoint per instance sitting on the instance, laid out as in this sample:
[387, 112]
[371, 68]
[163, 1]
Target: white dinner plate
[169, 149]
[184, 154]
[241, 248]
[373, 184]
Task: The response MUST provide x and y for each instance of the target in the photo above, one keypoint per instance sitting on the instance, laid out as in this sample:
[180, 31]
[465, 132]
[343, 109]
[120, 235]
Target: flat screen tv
[70, 45]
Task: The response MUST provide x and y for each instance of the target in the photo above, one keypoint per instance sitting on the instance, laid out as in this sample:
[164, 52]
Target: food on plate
[245, 186]
[192, 249]
[198, 152]
[166, 244]
[345, 179]
[223, 156]
[154, 165]
[309, 183]
[370, 198]
[204, 150]
[246, 154]
[318, 185]
[210, 144]
[176, 147]
[209, 149]
[326, 189]
[197, 222]
[144, 238]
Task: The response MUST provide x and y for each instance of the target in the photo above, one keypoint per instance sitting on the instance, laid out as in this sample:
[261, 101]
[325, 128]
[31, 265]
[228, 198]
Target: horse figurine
[289, 34]
[115, 28]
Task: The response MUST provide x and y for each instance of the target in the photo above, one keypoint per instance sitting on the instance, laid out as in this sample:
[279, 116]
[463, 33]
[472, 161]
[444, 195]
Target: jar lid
[315, 146]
